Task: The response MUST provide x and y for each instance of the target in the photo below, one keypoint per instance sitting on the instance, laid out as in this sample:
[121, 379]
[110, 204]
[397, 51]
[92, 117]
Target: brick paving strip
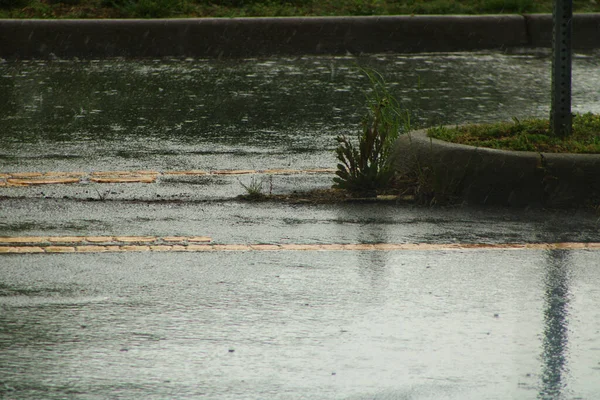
[101, 244]
[13, 179]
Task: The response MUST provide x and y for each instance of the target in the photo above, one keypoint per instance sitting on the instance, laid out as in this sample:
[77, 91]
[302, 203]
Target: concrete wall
[246, 37]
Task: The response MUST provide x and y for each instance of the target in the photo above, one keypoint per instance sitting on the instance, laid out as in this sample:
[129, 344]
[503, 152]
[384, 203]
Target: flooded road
[255, 113]
[436, 323]
[318, 325]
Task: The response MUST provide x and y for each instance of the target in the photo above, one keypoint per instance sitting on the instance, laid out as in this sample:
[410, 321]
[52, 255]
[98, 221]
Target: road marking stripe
[87, 240]
[13, 179]
[46, 181]
[66, 239]
[59, 249]
[70, 244]
[135, 239]
[127, 179]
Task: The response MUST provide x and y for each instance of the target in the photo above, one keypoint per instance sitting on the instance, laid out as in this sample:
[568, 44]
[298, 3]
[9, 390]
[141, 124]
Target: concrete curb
[496, 177]
[247, 37]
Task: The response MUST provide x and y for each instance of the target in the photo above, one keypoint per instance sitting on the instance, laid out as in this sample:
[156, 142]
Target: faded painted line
[101, 240]
[14, 179]
[22, 245]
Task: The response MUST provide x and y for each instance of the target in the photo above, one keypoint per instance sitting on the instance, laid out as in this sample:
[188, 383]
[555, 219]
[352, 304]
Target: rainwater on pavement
[442, 324]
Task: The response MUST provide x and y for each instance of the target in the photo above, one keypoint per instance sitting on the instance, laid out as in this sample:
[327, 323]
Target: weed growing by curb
[364, 165]
[255, 189]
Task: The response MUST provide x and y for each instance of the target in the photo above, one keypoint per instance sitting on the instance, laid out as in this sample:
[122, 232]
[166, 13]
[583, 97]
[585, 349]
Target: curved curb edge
[495, 177]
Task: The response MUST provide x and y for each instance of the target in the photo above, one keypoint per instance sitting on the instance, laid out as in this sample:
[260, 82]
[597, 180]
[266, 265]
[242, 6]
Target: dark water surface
[182, 114]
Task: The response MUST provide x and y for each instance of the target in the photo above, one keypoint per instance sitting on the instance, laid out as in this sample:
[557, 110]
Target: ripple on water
[301, 100]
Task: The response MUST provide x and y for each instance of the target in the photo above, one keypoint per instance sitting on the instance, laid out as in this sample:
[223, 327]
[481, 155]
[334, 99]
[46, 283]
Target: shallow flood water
[203, 114]
[447, 324]
[323, 325]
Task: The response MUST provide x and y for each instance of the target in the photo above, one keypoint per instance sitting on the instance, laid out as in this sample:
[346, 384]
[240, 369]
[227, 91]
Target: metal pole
[560, 113]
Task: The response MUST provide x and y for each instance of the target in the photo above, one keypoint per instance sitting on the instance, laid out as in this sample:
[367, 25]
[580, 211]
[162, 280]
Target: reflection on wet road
[350, 325]
[555, 342]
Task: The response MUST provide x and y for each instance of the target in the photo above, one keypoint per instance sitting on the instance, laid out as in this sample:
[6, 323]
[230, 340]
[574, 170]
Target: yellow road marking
[99, 244]
[41, 181]
[59, 249]
[161, 247]
[173, 238]
[123, 173]
[26, 175]
[11, 179]
[235, 172]
[191, 172]
[25, 249]
[136, 239]
[135, 248]
[66, 239]
[97, 240]
[125, 179]
[91, 249]
[199, 239]
[24, 239]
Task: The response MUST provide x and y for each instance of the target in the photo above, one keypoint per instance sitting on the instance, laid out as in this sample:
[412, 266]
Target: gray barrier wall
[245, 37]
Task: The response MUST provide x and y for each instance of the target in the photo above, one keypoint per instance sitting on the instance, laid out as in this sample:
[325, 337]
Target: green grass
[527, 135]
[270, 8]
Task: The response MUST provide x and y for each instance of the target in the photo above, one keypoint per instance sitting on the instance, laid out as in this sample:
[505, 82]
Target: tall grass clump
[364, 164]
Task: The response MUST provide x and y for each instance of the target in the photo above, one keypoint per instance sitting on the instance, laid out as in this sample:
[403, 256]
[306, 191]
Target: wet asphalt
[410, 324]
[286, 325]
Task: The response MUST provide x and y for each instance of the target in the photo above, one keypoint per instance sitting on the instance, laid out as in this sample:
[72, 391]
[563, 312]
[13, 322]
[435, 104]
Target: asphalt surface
[438, 323]
[287, 325]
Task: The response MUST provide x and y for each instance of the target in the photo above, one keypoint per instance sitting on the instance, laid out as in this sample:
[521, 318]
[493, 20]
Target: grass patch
[51, 9]
[255, 189]
[526, 135]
